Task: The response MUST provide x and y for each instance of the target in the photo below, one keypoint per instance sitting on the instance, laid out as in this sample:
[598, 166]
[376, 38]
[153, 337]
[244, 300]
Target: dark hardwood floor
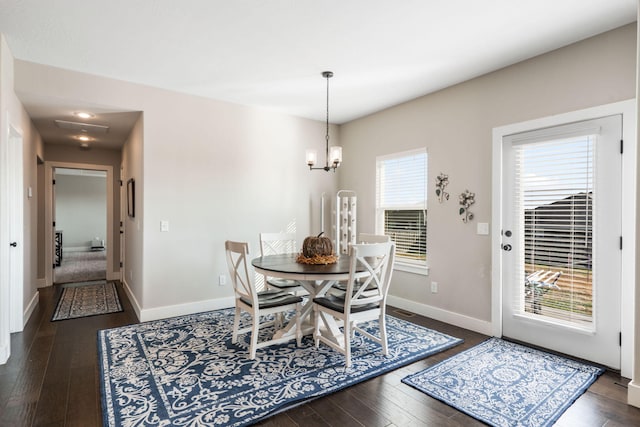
[52, 379]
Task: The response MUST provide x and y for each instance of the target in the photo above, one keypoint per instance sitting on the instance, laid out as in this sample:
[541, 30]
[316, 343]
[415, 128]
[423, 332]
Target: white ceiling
[271, 53]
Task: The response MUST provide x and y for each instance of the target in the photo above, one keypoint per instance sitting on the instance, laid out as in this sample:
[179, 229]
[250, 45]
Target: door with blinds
[561, 244]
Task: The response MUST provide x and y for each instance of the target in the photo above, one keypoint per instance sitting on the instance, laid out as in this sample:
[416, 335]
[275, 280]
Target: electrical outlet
[434, 287]
[222, 280]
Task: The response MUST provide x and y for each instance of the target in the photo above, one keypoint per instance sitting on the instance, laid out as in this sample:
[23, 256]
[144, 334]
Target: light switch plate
[164, 226]
[483, 228]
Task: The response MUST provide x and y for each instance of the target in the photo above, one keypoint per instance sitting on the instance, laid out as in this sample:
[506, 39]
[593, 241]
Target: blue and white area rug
[87, 299]
[184, 371]
[506, 384]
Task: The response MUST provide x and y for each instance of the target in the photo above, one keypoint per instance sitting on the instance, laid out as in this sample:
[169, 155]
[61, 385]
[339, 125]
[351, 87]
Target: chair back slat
[237, 253]
[277, 243]
[373, 238]
[377, 260]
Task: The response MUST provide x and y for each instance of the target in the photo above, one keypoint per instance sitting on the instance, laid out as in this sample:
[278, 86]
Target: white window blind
[401, 204]
[554, 187]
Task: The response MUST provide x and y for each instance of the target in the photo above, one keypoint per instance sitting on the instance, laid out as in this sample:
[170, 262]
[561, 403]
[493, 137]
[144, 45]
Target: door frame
[628, 111]
[11, 287]
[49, 209]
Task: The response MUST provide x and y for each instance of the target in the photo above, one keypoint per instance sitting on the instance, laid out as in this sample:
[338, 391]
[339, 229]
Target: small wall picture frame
[131, 198]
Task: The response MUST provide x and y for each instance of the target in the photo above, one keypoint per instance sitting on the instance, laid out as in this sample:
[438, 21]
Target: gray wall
[456, 125]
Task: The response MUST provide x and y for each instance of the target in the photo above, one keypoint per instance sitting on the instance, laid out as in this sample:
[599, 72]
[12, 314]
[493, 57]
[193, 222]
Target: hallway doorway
[79, 222]
[80, 215]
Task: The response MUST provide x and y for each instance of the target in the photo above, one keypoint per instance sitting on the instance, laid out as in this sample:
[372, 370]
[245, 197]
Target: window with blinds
[554, 187]
[401, 204]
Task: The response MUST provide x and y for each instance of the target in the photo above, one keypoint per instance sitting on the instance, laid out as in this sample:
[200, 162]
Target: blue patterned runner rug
[506, 384]
[184, 371]
[90, 299]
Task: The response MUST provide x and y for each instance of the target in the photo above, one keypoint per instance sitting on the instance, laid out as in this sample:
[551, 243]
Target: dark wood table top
[286, 263]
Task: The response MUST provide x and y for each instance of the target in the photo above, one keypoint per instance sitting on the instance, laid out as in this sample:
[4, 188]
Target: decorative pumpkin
[317, 246]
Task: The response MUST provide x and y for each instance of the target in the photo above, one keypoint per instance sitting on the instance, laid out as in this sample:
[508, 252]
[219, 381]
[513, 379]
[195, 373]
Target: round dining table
[316, 279]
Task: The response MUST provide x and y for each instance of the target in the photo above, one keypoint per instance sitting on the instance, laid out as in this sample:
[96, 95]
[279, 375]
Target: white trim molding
[187, 308]
[633, 394]
[456, 319]
[30, 308]
[132, 298]
[145, 315]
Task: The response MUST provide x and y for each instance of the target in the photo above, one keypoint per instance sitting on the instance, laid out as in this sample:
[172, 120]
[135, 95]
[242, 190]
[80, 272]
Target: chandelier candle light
[334, 153]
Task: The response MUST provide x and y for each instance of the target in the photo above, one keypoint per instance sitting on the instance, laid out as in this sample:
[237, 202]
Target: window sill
[415, 269]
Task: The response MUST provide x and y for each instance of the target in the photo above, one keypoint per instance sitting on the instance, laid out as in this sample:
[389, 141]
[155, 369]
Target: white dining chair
[373, 238]
[280, 243]
[362, 301]
[257, 304]
[362, 238]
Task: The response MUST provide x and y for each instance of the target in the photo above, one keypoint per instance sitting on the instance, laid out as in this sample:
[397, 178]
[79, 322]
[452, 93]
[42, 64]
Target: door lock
[13, 244]
[506, 247]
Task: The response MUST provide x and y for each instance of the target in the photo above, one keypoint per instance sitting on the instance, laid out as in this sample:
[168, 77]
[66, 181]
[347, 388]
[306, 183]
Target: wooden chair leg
[254, 336]
[316, 325]
[236, 326]
[383, 334]
[298, 326]
[347, 342]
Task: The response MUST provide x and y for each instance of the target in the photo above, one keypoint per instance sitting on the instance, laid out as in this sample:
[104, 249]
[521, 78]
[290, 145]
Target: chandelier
[333, 154]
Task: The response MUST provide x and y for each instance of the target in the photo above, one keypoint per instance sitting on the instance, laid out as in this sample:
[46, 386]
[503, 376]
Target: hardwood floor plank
[334, 414]
[25, 394]
[365, 414]
[305, 415]
[54, 394]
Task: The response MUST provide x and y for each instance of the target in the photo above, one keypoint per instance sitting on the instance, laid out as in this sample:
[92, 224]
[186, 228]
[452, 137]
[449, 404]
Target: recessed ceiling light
[84, 138]
[83, 115]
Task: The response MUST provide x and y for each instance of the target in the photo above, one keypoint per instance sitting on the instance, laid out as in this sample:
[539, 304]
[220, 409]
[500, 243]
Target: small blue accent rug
[184, 371]
[506, 384]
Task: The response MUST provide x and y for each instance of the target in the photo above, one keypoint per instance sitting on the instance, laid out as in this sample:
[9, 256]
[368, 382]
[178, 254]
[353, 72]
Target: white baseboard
[145, 315]
[4, 354]
[187, 308]
[456, 319]
[113, 275]
[132, 298]
[30, 307]
[633, 394]
[76, 249]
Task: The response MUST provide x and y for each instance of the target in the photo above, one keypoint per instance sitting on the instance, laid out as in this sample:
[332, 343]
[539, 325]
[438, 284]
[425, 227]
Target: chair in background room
[257, 304]
[362, 301]
[280, 243]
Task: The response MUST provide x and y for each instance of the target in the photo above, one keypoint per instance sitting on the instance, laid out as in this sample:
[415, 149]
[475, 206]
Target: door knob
[506, 247]
[13, 244]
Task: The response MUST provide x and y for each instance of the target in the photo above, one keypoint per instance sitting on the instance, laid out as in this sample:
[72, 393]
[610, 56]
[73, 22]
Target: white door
[561, 239]
[123, 215]
[16, 231]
